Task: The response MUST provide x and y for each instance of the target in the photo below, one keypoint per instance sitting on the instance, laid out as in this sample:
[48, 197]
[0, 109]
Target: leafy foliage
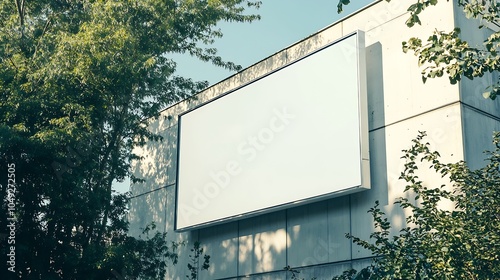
[196, 254]
[446, 52]
[143, 257]
[440, 243]
[78, 79]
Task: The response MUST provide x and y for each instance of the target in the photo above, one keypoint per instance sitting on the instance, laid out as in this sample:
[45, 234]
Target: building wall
[311, 238]
[480, 117]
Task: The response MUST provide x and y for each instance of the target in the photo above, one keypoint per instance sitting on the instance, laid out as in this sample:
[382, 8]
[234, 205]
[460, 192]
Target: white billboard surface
[297, 135]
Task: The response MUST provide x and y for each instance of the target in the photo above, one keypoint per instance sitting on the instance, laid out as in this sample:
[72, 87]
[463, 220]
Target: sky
[282, 23]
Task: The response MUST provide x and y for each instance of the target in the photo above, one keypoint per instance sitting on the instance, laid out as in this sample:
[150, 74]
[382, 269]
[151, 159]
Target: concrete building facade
[311, 238]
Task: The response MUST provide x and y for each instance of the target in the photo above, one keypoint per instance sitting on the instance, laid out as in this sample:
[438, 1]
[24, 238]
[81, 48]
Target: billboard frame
[363, 141]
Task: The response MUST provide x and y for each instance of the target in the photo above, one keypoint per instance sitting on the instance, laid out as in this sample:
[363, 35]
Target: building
[311, 237]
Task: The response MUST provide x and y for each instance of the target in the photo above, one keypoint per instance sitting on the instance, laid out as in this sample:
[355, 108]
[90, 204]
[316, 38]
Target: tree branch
[20, 11]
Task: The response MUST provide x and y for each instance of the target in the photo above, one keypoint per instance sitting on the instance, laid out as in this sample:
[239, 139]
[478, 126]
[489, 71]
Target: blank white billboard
[296, 135]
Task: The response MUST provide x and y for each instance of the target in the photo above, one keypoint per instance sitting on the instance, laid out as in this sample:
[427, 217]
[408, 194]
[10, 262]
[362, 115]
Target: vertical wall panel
[444, 134]
[478, 135]
[339, 223]
[262, 243]
[307, 228]
[221, 243]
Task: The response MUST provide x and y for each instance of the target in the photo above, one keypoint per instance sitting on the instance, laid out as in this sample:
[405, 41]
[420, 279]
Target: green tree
[459, 243]
[445, 53]
[78, 79]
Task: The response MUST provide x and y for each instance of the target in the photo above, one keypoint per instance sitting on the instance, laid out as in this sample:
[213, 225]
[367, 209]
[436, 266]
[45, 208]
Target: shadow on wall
[381, 181]
[152, 199]
[263, 243]
[376, 120]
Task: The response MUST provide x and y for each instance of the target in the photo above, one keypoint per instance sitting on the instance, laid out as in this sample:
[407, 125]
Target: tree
[459, 243]
[78, 79]
[445, 52]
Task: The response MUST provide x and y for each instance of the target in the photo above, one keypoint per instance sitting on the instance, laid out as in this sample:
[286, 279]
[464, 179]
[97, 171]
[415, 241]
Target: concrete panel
[339, 223]
[158, 207]
[471, 91]
[263, 67]
[398, 77]
[266, 276]
[404, 94]
[180, 270]
[358, 265]
[328, 271]
[221, 243]
[308, 230]
[321, 271]
[263, 243]
[375, 86]
[158, 164]
[151, 207]
[360, 220]
[469, 28]
[169, 209]
[478, 132]
[443, 127]
[216, 90]
[314, 43]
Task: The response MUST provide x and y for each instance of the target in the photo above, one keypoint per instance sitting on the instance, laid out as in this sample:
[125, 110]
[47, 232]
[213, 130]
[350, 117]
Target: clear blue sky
[283, 22]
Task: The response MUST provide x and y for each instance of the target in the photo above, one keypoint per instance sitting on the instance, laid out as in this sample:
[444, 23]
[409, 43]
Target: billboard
[296, 135]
